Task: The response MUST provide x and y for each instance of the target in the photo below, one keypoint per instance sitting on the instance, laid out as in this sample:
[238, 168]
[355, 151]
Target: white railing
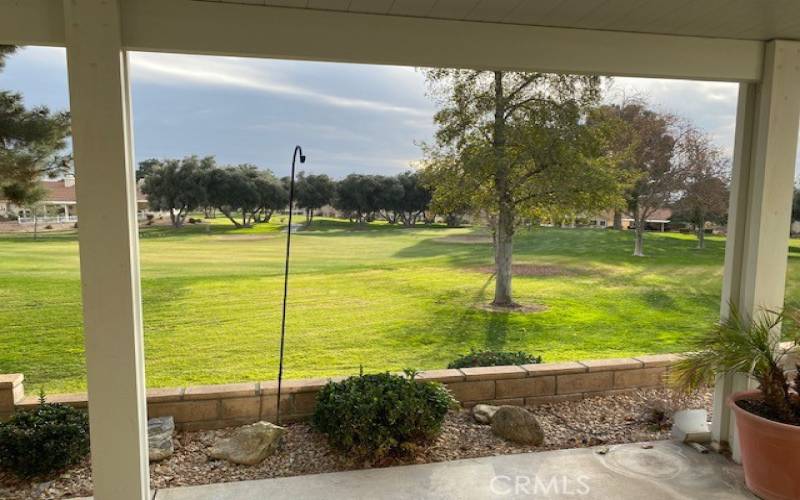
[58, 219]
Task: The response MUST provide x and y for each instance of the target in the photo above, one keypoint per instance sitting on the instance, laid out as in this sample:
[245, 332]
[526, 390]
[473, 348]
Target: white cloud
[245, 74]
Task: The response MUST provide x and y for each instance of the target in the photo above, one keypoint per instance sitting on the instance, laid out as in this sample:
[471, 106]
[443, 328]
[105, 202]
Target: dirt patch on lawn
[540, 270]
[466, 239]
[516, 308]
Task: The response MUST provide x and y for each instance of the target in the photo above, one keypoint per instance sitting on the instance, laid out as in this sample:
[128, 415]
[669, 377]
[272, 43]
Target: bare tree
[651, 141]
[704, 196]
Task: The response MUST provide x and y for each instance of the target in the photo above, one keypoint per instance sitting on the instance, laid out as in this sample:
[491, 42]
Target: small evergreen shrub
[375, 416]
[494, 358]
[44, 440]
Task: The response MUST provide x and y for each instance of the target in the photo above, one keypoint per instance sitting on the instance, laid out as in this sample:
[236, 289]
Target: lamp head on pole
[298, 154]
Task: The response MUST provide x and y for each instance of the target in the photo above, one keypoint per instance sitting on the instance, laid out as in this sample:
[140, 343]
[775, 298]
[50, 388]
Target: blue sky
[348, 117]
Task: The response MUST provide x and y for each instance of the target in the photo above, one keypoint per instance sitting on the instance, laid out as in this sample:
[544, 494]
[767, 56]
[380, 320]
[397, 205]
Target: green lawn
[380, 297]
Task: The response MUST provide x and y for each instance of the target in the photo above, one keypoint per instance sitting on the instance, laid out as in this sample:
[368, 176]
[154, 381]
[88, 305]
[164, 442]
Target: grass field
[381, 297]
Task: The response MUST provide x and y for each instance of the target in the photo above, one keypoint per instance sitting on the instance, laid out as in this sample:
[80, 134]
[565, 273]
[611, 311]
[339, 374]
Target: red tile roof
[61, 191]
[58, 191]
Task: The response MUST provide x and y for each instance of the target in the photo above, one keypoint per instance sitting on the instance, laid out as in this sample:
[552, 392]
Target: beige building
[59, 205]
[657, 221]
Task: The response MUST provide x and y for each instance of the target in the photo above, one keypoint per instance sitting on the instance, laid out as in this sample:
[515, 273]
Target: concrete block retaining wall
[216, 406]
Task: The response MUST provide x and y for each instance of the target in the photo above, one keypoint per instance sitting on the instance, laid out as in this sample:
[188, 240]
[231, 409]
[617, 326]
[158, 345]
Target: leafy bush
[494, 358]
[46, 439]
[374, 416]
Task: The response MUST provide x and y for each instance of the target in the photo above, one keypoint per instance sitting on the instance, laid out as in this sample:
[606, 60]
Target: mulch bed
[611, 419]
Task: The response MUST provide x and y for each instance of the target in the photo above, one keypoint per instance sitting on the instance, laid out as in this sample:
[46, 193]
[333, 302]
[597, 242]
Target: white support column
[762, 183]
[109, 252]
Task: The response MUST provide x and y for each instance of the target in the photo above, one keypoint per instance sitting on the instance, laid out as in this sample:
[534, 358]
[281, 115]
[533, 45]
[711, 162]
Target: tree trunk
[638, 249]
[701, 236]
[230, 217]
[617, 220]
[504, 237]
[503, 250]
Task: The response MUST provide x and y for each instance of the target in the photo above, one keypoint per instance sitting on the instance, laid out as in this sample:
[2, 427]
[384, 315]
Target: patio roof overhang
[731, 40]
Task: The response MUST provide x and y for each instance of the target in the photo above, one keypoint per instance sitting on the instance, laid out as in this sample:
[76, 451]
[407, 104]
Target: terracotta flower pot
[770, 452]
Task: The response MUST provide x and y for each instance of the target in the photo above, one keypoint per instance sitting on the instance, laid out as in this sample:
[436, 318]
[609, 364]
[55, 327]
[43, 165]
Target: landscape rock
[249, 444]
[159, 438]
[518, 425]
[483, 414]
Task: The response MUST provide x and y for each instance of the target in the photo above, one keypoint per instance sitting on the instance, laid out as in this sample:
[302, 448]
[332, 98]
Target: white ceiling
[738, 19]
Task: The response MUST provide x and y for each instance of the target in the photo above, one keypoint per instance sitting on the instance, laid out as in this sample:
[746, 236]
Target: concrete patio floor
[668, 470]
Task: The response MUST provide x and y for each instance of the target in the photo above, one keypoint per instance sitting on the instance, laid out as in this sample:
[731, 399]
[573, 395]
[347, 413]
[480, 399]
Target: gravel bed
[609, 419]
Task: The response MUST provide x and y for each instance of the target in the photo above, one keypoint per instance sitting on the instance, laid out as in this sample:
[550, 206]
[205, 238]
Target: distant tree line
[246, 194]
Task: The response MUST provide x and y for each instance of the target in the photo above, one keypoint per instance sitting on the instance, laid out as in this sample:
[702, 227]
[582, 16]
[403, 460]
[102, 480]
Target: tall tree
[146, 167]
[652, 141]
[389, 197]
[32, 144]
[177, 186]
[514, 143]
[358, 196]
[313, 192]
[704, 196]
[415, 200]
[233, 189]
[272, 195]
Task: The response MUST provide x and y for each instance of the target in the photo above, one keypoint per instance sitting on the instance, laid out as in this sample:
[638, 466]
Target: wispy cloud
[245, 74]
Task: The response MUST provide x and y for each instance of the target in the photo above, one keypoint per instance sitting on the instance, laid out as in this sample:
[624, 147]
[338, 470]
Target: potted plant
[767, 419]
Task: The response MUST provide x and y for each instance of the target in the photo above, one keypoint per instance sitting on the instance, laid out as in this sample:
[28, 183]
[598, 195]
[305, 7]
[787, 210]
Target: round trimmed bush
[44, 440]
[374, 416]
[494, 358]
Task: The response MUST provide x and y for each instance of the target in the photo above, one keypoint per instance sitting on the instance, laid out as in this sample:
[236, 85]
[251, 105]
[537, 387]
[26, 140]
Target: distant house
[58, 206]
[659, 220]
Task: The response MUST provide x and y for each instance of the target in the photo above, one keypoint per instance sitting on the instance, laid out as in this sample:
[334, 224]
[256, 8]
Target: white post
[109, 252]
[756, 250]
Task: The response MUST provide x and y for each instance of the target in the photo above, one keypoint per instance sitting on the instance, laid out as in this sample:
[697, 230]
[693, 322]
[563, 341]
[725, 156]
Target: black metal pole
[298, 151]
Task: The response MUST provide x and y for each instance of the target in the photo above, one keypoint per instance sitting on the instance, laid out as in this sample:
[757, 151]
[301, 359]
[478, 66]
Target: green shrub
[44, 440]
[374, 416]
[494, 358]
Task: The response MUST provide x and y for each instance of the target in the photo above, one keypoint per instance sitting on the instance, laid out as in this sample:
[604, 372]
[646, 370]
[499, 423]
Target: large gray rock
[483, 414]
[159, 438]
[249, 444]
[518, 425]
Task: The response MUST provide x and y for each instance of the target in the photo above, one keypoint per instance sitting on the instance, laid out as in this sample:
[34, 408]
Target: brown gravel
[612, 419]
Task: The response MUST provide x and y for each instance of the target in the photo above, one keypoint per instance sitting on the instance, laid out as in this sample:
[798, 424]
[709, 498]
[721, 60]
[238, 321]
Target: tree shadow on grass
[496, 323]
